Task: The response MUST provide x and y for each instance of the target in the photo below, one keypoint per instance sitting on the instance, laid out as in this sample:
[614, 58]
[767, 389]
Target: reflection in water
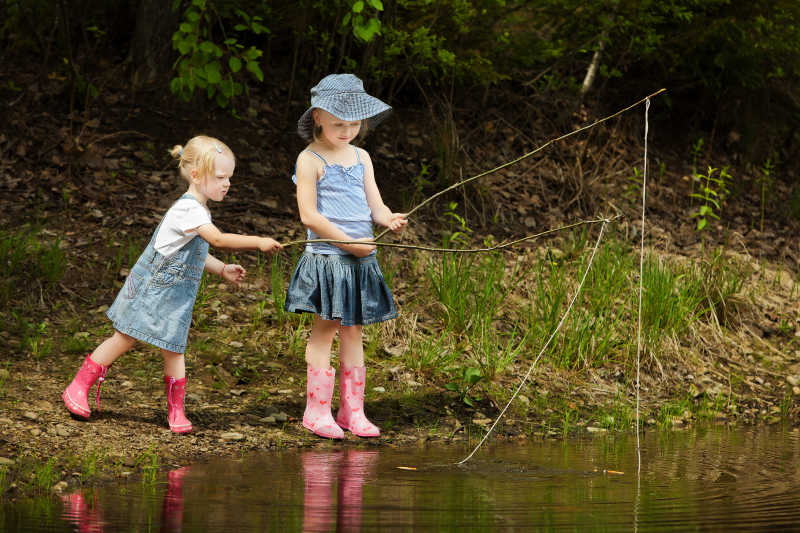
[87, 515]
[709, 479]
[84, 514]
[320, 470]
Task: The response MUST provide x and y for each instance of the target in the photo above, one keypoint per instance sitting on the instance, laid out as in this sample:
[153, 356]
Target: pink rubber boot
[351, 409]
[176, 390]
[319, 391]
[76, 395]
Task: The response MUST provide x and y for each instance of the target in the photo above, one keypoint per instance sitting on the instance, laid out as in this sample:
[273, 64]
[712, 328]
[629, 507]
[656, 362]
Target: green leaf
[235, 64]
[185, 27]
[472, 375]
[184, 47]
[376, 4]
[254, 68]
[213, 72]
[451, 387]
[358, 7]
[208, 47]
[701, 224]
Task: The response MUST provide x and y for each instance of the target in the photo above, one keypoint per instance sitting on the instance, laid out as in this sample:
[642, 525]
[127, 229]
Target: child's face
[335, 130]
[215, 186]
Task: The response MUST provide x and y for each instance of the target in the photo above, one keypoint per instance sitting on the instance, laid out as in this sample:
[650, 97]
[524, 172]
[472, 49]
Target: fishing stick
[506, 244]
[481, 175]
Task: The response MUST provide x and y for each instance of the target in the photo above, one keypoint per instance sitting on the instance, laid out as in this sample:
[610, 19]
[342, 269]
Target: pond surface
[712, 480]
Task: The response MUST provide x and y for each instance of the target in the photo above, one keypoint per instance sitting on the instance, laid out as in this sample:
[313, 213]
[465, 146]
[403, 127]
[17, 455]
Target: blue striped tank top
[342, 200]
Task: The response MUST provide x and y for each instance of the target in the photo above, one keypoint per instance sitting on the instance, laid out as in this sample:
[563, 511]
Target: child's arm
[232, 273]
[217, 239]
[381, 214]
[307, 172]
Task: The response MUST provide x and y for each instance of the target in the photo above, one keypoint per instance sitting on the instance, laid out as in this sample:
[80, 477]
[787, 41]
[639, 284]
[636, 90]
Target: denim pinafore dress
[155, 304]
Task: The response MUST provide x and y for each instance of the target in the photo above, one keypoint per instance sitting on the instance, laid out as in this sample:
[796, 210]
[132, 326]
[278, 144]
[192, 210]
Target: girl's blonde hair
[199, 154]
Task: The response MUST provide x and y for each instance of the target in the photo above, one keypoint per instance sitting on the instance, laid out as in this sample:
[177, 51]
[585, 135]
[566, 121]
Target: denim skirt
[340, 287]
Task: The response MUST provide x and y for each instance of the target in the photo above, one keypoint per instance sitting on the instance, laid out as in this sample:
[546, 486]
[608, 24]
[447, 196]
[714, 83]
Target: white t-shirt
[185, 215]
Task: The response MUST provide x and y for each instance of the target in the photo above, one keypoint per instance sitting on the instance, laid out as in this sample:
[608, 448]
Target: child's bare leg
[318, 349]
[351, 347]
[111, 348]
[174, 364]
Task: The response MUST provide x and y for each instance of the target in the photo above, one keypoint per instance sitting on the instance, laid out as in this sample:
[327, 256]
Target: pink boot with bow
[319, 391]
[352, 382]
[176, 390]
[76, 395]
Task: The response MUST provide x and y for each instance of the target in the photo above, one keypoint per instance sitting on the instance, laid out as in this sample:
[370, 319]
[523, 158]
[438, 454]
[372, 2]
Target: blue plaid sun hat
[343, 96]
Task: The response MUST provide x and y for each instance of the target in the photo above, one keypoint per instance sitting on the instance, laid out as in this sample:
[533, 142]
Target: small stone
[5, 461]
[30, 415]
[232, 435]
[36, 432]
[481, 421]
[126, 384]
[126, 474]
[280, 417]
[268, 420]
[650, 421]
[524, 400]
[5, 421]
[796, 390]
[60, 486]
[235, 344]
[62, 431]
[793, 380]
[237, 392]
[4, 373]
[378, 389]
[285, 391]
[593, 429]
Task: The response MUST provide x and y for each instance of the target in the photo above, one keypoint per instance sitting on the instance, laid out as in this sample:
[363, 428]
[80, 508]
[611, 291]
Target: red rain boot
[351, 398]
[176, 390]
[319, 391]
[76, 396]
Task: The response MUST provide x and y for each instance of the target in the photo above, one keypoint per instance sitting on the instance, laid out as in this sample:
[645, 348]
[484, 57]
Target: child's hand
[233, 273]
[361, 250]
[269, 245]
[398, 222]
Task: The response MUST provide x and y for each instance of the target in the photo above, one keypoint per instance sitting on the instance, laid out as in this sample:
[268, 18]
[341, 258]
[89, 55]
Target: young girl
[155, 303]
[340, 283]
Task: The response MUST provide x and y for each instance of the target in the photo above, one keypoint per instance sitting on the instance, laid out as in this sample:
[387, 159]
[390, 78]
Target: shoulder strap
[316, 154]
[357, 155]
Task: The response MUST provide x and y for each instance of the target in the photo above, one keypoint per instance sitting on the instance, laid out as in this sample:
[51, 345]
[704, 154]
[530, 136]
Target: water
[709, 480]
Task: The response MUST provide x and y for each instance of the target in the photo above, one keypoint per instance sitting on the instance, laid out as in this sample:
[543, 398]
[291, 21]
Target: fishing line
[639, 325]
[546, 344]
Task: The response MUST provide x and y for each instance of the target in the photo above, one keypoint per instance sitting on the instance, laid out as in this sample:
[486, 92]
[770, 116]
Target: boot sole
[315, 432]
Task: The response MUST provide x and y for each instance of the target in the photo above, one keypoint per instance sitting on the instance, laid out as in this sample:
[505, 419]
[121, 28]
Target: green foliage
[211, 56]
[28, 258]
[713, 191]
[363, 25]
[766, 181]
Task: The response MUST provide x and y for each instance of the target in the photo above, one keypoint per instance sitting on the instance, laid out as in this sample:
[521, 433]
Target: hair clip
[180, 152]
[218, 147]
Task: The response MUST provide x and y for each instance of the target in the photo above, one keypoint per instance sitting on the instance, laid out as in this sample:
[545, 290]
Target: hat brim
[368, 108]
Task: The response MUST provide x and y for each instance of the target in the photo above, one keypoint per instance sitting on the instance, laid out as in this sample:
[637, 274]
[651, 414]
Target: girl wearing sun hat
[341, 284]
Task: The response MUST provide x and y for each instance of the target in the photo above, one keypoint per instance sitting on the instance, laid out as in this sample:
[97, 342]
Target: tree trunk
[151, 48]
